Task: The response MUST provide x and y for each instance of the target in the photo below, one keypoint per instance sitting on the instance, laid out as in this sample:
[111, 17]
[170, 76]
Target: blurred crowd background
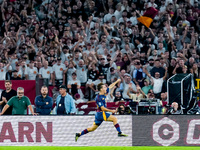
[81, 43]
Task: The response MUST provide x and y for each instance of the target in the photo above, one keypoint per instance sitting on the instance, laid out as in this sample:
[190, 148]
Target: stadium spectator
[94, 84]
[14, 75]
[64, 102]
[82, 72]
[138, 75]
[46, 72]
[175, 109]
[146, 86]
[112, 75]
[19, 103]
[136, 97]
[74, 85]
[124, 86]
[43, 102]
[157, 68]
[3, 69]
[58, 73]
[6, 95]
[163, 103]
[78, 99]
[157, 82]
[31, 72]
[150, 94]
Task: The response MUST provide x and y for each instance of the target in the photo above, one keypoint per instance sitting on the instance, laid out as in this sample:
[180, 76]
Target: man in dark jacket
[6, 95]
[43, 102]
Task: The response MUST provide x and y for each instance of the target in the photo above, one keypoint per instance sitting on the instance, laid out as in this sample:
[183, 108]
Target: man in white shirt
[157, 82]
[58, 73]
[46, 72]
[82, 72]
[124, 86]
[3, 70]
[107, 17]
[31, 72]
[74, 85]
[161, 49]
[118, 12]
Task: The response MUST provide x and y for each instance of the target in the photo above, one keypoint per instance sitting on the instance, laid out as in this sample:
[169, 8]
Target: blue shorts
[100, 117]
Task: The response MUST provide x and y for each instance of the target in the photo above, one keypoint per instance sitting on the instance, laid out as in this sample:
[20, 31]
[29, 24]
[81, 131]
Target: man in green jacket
[20, 103]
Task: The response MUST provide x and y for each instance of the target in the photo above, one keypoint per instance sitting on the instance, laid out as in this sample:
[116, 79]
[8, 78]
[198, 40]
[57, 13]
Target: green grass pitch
[97, 148]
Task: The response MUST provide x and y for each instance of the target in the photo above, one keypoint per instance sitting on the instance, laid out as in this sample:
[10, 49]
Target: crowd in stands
[81, 43]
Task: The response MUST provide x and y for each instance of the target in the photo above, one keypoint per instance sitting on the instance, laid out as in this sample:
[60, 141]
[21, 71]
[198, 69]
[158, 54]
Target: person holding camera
[175, 109]
[121, 110]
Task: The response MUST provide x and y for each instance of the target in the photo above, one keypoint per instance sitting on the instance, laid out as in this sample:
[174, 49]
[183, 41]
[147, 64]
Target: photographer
[175, 109]
[122, 110]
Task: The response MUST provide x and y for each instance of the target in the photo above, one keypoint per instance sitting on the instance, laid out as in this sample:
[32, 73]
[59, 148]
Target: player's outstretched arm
[113, 84]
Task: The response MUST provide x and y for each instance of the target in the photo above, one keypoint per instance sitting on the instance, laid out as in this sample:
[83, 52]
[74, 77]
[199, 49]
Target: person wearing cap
[112, 75]
[104, 66]
[58, 73]
[43, 102]
[146, 86]
[65, 53]
[64, 102]
[112, 48]
[150, 64]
